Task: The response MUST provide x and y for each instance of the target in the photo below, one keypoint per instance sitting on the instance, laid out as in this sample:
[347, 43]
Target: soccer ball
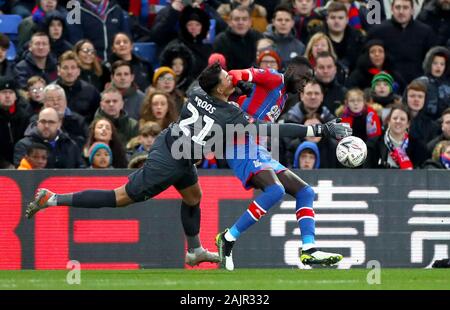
[351, 151]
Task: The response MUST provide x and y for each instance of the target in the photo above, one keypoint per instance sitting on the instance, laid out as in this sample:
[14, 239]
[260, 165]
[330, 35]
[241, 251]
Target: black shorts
[160, 171]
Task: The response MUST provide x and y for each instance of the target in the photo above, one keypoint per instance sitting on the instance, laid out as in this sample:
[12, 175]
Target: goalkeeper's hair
[210, 78]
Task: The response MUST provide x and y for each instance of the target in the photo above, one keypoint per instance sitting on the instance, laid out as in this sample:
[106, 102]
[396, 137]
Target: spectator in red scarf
[396, 148]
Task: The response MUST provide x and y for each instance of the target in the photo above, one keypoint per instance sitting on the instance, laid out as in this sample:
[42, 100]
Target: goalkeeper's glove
[334, 129]
[238, 75]
[245, 88]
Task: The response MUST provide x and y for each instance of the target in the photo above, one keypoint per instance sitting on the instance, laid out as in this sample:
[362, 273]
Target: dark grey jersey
[203, 123]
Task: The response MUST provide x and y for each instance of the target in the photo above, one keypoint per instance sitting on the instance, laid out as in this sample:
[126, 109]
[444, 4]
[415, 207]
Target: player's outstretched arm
[334, 129]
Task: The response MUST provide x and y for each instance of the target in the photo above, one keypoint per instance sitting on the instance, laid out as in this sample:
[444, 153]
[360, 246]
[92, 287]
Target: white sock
[229, 237]
[306, 247]
[199, 250]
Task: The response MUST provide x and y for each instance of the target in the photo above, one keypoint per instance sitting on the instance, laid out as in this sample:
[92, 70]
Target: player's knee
[275, 192]
[306, 193]
[193, 197]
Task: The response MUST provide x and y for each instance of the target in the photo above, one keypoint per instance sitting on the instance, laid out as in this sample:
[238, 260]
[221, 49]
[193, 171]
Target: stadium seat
[11, 52]
[9, 25]
[147, 51]
[211, 32]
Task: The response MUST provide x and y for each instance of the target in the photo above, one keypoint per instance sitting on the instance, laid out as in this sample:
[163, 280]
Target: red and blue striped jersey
[268, 95]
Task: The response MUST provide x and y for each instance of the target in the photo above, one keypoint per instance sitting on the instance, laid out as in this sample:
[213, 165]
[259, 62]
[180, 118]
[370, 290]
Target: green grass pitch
[240, 279]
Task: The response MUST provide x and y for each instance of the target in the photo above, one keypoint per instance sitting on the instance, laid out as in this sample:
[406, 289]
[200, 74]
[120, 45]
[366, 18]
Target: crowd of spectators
[76, 95]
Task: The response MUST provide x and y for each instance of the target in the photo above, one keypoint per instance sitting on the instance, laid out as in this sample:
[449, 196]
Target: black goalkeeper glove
[245, 87]
[334, 129]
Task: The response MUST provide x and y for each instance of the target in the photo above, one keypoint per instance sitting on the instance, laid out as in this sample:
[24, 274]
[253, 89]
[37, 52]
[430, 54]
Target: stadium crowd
[79, 95]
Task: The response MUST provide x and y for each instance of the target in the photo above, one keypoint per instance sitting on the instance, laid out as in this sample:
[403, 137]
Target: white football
[351, 151]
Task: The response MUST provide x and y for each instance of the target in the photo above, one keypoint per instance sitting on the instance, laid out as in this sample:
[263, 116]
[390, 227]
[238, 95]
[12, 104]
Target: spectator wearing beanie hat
[164, 80]
[382, 93]
[269, 59]
[218, 57]
[163, 73]
[382, 76]
[14, 117]
[100, 156]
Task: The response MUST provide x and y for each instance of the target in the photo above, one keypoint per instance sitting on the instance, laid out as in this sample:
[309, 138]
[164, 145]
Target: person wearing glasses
[64, 153]
[93, 70]
[72, 123]
[14, 115]
[165, 80]
[35, 92]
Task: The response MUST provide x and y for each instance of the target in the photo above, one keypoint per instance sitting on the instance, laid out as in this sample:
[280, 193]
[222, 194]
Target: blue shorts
[252, 164]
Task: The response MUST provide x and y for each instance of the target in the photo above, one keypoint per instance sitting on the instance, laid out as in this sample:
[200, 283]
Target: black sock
[88, 199]
[190, 218]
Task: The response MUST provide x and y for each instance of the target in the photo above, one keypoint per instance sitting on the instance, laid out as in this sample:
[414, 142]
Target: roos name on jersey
[205, 105]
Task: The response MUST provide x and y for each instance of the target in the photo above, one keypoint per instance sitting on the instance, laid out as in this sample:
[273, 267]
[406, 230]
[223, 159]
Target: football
[351, 151]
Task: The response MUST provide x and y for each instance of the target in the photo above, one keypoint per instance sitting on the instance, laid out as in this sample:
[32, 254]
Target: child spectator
[100, 156]
[35, 158]
[362, 118]
[307, 156]
[383, 93]
[103, 130]
[35, 87]
[142, 143]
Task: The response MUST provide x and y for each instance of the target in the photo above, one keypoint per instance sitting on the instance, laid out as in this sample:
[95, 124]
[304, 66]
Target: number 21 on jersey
[185, 123]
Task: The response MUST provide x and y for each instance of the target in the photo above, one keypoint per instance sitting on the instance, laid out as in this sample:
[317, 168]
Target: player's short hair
[417, 86]
[298, 72]
[210, 78]
[120, 63]
[36, 146]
